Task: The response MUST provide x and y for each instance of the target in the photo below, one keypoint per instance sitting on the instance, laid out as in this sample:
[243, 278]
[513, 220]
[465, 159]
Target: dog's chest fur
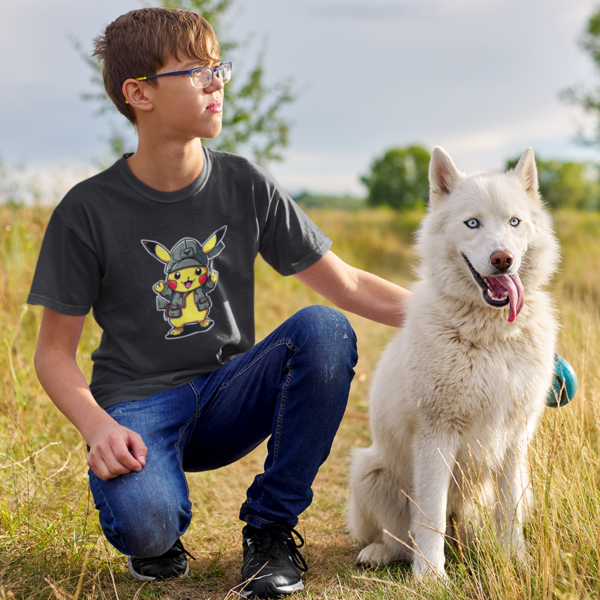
[478, 377]
[473, 382]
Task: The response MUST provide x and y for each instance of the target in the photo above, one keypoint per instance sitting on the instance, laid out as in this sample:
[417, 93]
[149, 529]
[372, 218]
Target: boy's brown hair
[140, 42]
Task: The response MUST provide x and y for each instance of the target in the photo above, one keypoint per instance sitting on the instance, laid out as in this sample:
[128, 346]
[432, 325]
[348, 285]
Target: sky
[479, 78]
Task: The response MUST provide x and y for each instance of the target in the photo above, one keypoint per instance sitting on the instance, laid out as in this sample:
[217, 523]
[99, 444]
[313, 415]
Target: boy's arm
[114, 449]
[356, 291]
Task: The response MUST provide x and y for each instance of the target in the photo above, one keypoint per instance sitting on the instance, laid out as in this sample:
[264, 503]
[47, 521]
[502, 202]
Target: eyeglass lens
[203, 76]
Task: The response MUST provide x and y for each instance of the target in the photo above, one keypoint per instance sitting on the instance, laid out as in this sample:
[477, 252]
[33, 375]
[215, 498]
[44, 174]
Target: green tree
[588, 98]
[399, 178]
[253, 117]
[566, 184]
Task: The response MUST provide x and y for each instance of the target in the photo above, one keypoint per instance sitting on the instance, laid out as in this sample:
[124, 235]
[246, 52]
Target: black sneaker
[272, 562]
[173, 563]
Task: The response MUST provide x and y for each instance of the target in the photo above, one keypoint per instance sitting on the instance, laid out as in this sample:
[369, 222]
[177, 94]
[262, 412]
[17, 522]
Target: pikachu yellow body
[183, 296]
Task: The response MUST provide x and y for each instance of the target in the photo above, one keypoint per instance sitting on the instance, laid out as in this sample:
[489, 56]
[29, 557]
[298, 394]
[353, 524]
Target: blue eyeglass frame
[188, 72]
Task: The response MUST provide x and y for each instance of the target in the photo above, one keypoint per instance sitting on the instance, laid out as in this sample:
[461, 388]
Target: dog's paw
[424, 570]
[373, 555]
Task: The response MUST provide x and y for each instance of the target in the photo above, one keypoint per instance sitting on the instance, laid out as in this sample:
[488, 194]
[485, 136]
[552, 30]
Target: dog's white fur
[459, 390]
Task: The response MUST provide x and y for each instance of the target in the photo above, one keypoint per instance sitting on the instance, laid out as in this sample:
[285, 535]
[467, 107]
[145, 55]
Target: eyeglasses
[201, 77]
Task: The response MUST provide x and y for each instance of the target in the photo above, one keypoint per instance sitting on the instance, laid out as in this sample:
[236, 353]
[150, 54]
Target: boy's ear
[133, 90]
[159, 252]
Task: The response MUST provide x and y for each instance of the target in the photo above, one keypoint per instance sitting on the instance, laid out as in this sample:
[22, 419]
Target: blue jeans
[292, 388]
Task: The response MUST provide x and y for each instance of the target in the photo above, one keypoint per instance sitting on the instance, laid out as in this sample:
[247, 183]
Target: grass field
[51, 546]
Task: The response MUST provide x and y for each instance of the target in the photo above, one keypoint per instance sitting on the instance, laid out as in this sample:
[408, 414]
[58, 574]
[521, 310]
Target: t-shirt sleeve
[67, 275]
[290, 241]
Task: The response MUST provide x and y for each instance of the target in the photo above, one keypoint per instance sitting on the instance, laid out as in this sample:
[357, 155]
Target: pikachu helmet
[188, 252]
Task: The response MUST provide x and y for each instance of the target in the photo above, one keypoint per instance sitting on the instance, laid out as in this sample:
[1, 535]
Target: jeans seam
[197, 396]
[194, 389]
[283, 342]
[177, 446]
[284, 389]
[278, 429]
[112, 515]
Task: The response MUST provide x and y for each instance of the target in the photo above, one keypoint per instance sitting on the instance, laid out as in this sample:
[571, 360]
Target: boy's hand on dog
[116, 450]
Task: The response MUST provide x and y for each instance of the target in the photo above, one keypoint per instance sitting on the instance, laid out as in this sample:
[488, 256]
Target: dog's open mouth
[501, 290]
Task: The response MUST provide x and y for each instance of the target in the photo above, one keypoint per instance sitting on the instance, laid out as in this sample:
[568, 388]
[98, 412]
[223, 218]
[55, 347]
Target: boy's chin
[211, 135]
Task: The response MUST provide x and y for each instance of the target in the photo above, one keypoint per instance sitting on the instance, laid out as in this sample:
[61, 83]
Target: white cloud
[377, 11]
[479, 78]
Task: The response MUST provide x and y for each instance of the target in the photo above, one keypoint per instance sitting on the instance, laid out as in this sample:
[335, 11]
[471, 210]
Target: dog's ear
[526, 173]
[443, 175]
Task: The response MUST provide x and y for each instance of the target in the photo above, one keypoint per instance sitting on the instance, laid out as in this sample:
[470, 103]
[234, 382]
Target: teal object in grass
[564, 383]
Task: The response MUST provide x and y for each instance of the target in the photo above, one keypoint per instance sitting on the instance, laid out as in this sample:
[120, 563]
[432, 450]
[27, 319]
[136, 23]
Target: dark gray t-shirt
[169, 275]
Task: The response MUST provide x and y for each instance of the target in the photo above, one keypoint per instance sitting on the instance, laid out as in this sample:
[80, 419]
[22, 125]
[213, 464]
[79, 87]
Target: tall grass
[51, 545]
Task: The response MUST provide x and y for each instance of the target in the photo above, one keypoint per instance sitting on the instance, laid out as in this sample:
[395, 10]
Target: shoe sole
[268, 589]
[147, 578]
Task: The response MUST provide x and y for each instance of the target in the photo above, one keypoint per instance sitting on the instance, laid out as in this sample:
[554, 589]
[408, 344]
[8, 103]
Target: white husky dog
[459, 390]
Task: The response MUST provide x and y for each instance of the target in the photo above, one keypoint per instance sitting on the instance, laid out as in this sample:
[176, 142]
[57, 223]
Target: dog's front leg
[513, 482]
[433, 465]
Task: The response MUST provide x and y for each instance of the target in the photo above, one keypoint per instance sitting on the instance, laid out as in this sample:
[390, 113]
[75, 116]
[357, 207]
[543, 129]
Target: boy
[178, 384]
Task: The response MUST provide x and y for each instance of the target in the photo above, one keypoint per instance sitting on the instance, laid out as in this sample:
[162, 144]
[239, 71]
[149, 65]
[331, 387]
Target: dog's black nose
[502, 260]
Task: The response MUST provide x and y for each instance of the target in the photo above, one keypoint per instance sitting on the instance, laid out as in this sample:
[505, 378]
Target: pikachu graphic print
[190, 277]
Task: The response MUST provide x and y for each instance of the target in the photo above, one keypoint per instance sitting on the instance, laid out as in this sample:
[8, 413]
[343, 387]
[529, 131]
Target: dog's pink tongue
[516, 294]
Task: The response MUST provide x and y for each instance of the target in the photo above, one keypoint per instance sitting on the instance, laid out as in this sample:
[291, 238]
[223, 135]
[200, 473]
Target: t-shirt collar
[166, 197]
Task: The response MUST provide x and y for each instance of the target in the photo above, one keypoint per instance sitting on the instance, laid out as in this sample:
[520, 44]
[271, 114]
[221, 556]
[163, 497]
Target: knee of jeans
[327, 330]
[148, 528]
[330, 342]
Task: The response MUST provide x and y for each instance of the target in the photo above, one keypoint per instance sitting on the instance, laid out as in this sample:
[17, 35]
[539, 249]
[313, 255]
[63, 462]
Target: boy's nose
[215, 84]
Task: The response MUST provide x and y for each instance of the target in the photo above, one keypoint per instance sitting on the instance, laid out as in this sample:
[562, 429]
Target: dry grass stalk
[49, 530]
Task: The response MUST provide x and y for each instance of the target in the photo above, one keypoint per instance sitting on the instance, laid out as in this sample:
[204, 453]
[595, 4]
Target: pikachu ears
[188, 251]
[156, 250]
[213, 244]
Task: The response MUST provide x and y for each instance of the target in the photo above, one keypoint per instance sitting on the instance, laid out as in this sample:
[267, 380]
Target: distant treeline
[308, 200]
[399, 179]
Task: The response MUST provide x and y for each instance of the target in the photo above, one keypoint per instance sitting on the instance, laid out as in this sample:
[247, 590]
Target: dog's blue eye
[514, 221]
[472, 223]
